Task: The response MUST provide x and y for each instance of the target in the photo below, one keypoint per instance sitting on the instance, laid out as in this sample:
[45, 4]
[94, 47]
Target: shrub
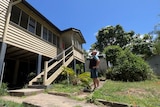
[82, 79]
[85, 79]
[30, 76]
[129, 67]
[3, 89]
[112, 52]
[70, 74]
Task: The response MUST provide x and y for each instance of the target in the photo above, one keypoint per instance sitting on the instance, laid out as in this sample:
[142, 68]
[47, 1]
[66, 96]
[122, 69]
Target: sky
[89, 16]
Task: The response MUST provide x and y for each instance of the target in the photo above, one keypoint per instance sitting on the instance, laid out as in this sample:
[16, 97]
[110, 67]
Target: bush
[129, 67]
[85, 79]
[30, 76]
[112, 52]
[3, 89]
[70, 74]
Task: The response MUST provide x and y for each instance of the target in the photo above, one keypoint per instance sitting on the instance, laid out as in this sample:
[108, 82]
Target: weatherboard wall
[3, 10]
[18, 37]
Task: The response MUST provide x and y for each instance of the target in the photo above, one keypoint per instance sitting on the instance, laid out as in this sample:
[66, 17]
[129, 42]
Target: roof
[39, 14]
[50, 23]
[75, 30]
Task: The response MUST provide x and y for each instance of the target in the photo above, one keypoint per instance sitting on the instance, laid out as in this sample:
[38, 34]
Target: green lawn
[66, 88]
[9, 104]
[143, 94]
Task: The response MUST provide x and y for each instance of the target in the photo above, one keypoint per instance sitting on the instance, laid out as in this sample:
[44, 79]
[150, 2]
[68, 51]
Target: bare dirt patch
[135, 92]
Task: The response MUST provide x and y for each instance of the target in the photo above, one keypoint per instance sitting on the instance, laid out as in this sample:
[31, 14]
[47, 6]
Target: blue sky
[89, 16]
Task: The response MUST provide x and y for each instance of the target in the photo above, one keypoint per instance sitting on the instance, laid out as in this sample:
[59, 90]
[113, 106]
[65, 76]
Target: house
[30, 43]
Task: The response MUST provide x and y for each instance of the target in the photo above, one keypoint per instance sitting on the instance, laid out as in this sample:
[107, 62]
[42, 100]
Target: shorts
[94, 73]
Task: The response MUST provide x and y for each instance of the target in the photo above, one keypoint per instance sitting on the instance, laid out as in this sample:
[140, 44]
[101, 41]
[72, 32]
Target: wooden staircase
[52, 69]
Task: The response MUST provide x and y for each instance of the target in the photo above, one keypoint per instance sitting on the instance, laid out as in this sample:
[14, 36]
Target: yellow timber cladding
[22, 31]
[3, 10]
[19, 36]
[24, 40]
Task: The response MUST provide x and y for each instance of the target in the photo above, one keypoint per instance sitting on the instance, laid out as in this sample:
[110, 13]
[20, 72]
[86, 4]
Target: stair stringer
[58, 72]
[35, 78]
[43, 74]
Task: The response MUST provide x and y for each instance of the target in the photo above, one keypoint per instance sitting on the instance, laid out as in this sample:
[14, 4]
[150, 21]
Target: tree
[111, 53]
[156, 32]
[111, 35]
[156, 49]
[142, 45]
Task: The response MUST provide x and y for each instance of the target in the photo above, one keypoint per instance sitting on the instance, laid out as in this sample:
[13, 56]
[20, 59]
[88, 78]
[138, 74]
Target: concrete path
[50, 100]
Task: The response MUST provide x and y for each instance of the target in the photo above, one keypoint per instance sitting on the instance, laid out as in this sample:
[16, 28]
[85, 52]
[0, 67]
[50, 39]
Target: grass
[9, 104]
[66, 88]
[143, 94]
[70, 89]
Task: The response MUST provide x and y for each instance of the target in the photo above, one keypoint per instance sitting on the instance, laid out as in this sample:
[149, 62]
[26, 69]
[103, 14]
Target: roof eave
[75, 30]
[39, 14]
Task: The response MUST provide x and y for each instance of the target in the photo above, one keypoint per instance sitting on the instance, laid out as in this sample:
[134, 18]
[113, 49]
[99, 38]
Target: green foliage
[79, 68]
[112, 52]
[70, 74]
[63, 87]
[139, 94]
[69, 71]
[3, 89]
[31, 75]
[112, 35]
[85, 79]
[115, 35]
[156, 49]
[130, 67]
[9, 104]
[142, 45]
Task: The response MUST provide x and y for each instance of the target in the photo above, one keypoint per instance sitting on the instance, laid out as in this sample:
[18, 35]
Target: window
[50, 37]
[45, 37]
[24, 20]
[15, 14]
[38, 29]
[58, 45]
[54, 39]
[32, 26]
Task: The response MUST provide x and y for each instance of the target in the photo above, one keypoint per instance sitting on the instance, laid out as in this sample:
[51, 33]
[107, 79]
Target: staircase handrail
[58, 71]
[51, 66]
[47, 68]
[42, 73]
[60, 54]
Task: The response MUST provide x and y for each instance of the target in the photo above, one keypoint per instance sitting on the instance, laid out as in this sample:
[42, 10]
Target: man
[94, 64]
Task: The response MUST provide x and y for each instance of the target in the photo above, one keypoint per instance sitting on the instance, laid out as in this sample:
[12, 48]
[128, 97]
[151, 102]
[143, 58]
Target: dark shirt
[93, 62]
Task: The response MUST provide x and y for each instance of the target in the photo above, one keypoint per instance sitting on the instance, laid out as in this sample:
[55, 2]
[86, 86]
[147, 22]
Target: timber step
[25, 92]
[37, 83]
[38, 86]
